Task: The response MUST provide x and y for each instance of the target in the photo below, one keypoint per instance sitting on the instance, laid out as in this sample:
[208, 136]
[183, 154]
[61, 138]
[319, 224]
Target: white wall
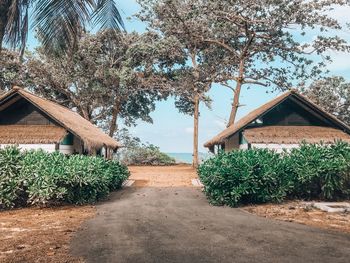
[277, 147]
[66, 149]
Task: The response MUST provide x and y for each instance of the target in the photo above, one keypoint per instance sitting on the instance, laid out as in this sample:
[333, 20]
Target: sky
[173, 131]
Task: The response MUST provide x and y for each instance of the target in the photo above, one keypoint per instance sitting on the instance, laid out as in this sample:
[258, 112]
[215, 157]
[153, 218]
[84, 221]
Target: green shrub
[41, 174]
[93, 178]
[53, 178]
[137, 153]
[10, 183]
[146, 154]
[319, 171]
[259, 176]
[239, 177]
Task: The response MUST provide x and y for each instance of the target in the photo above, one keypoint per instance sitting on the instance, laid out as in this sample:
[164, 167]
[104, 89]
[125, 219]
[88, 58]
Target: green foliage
[147, 154]
[319, 171]
[252, 176]
[107, 70]
[260, 175]
[57, 26]
[333, 93]
[53, 178]
[10, 182]
[137, 153]
[12, 71]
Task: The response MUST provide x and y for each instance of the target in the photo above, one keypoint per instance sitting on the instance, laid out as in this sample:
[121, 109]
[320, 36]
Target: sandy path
[162, 176]
[301, 212]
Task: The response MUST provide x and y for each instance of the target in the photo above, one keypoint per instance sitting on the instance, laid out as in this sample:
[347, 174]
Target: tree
[332, 94]
[267, 43]
[12, 71]
[176, 21]
[137, 153]
[109, 77]
[58, 23]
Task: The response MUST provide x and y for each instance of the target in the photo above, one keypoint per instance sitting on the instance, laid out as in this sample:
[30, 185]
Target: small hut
[36, 123]
[282, 123]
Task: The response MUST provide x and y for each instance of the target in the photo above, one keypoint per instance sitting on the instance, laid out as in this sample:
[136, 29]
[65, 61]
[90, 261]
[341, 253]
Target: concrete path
[176, 224]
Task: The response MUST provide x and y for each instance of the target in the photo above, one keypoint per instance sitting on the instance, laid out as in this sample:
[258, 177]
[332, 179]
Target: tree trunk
[235, 103]
[2, 33]
[195, 161]
[4, 8]
[115, 111]
[195, 131]
[236, 94]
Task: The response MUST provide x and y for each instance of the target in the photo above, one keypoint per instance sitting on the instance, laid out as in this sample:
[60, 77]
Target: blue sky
[172, 131]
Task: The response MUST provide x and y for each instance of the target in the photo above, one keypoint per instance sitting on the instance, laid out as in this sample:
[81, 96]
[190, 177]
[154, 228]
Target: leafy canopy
[333, 94]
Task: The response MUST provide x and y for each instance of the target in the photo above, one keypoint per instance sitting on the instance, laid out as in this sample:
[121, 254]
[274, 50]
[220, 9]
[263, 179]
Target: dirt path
[162, 176]
[161, 219]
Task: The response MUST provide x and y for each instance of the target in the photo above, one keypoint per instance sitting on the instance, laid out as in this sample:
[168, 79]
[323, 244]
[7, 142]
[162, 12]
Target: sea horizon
[182, 157]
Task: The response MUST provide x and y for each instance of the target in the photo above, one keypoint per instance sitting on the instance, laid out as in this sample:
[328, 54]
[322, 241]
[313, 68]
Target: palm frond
[16, 30]
[60, 22]
[107, 15]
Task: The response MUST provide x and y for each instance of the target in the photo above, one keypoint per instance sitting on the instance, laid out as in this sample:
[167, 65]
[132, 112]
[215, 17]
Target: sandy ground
[40, 235]
[303, 213]
[162, 176]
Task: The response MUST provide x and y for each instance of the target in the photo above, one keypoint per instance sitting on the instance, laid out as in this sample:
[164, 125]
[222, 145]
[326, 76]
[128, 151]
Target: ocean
[187, 157]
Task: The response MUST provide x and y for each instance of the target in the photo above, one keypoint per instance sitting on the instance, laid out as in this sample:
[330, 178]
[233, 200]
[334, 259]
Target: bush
[102, 177]
[260, 175]
[53, 178]
[137, 153]
[10, 182]
[318, 171]
[41, 174]
[147, 154]
[239, 177]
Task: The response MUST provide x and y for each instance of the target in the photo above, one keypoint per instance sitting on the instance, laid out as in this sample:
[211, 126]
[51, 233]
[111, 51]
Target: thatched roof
[92, 136]
[31, 134]
[257, 113]
[294, 134]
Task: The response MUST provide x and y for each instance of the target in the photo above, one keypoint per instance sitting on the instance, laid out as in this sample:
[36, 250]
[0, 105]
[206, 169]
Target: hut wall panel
[289, 113]
[46, 147]
[277, 147]
[77, 145]
[66, 149]
[232, 143]
[23, 113]
[243, 146]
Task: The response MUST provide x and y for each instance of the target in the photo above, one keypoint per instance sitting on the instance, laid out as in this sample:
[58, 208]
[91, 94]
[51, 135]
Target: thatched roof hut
[288, 120]
[31, 134]
[28, 119]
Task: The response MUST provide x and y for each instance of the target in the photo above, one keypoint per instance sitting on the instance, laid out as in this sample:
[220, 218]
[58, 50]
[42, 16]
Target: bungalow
[282, 123]
[36, 123]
